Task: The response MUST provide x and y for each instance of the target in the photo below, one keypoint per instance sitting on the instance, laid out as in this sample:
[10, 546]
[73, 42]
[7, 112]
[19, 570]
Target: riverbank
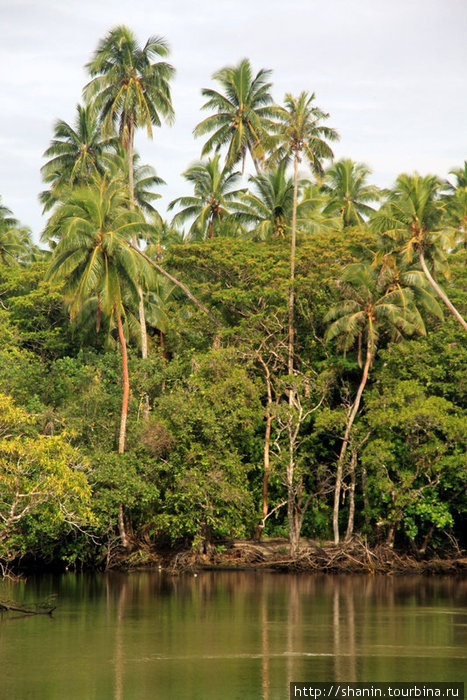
[272, 554]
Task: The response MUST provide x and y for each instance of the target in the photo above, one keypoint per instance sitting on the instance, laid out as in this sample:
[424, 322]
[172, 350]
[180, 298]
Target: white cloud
[391, 74]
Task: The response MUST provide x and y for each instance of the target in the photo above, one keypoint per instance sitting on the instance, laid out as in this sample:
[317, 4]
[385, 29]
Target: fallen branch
[39, 609]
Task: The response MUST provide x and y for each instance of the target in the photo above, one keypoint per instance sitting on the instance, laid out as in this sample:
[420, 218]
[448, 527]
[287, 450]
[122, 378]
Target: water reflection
[230, 635]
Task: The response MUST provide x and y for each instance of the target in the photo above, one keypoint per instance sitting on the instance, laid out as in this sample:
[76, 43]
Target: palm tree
[456, 202]
[270, 209]
[268, 206]
[75, 155]
[301, 135]
[345, 184]
[94, 258]
[372, 305]
[128, 88]
[244, 114]
[412, 221]
[15, 240]
[160, 235]
[213, 195]
[145, 178]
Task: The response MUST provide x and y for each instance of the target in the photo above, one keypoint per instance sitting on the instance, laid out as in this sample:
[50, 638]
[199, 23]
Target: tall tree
[145, 179]
[74, 154]
[94, 258]
[128, 89]
[214, 192]
[267, 206]
[371, 306]
[15, 240]
[243, 114]
[348, 191]
[301, 135]
[132, 90]
[412, 221]
[456, 202]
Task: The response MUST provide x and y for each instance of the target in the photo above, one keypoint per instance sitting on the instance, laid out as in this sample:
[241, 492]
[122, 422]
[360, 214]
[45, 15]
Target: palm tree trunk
[293, 535]
[130, 152]
[442, 295]
[124, 414]
[141, 313]
[126, 385]
[345, 442]
[291, 300]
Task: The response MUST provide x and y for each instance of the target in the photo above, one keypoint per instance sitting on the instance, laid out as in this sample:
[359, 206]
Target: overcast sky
[391, 73]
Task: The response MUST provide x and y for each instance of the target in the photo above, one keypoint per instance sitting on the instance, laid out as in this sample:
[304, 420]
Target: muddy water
[226, 636]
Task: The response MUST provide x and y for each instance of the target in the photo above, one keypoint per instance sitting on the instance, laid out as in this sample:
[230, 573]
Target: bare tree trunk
[442, 295]
[351, 516]
[266, 449]
[293, 536]
[266, 472]
[345, 442]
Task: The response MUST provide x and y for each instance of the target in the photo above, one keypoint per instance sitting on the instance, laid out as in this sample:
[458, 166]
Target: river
[227, 635]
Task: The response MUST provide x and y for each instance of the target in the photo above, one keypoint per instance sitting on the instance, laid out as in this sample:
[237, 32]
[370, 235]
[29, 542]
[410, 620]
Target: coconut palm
[372, 306]
[412, 222]
[94, 258]
[15, 240]
[267, 206]
[128, 89]
[145, 178]
[348, 192]
[243, 114]
[301, 135]
[75, 155]
[456, 202]
[160, 235]
[213, 196]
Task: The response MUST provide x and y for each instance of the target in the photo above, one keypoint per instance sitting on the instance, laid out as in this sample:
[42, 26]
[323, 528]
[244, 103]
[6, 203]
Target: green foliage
[193, 469]
[208, 424]
[414, 459]
[43, 488]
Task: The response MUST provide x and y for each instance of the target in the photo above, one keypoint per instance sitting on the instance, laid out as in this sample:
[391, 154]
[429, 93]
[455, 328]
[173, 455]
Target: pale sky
[391, 73]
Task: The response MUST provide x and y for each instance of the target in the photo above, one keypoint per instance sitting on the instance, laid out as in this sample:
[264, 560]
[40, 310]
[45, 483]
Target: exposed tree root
[354, 556]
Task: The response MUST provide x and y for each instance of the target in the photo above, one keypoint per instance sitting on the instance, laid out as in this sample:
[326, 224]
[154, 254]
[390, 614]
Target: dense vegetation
[290, 363]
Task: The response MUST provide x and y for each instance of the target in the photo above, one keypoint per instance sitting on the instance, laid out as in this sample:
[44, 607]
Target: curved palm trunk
[345, 442]
[123, 417]
[442, 295]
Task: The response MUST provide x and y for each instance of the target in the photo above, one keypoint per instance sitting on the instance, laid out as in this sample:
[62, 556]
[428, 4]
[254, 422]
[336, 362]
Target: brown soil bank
[272, 555]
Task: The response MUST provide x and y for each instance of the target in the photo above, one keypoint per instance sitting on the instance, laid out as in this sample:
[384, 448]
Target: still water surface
[228, 636]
